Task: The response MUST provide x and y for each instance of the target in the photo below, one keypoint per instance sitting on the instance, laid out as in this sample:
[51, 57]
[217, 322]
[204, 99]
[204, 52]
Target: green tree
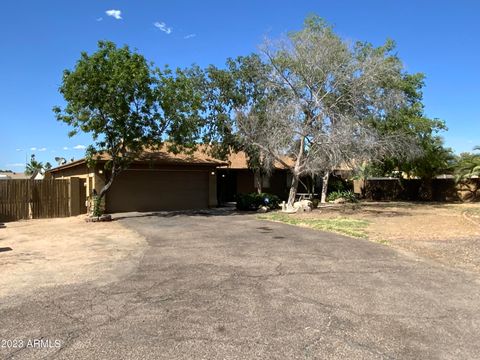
[468, 165]
[433, 157]
[241, 84]
[34, 166]
[127, 104]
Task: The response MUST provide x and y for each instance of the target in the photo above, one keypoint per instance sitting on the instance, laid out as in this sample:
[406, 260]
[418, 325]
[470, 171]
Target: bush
[315, 202]
[347, 195]
[253, 201]
[337, 184]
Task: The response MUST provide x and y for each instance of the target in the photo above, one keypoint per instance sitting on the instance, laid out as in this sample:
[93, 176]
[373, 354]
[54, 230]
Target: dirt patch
[447, 233]
[49, 252]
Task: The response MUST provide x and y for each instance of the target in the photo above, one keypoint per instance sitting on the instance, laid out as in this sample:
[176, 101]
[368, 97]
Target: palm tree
[34, 166]
[468, 166]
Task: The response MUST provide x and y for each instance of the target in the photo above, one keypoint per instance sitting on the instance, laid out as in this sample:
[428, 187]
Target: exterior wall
[245, 182]
[241, 181]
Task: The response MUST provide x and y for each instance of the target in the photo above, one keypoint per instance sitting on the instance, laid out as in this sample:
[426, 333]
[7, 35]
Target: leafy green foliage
[97, 206]
[253, 201]
[432, 157]
[348, 195]
[33, 166]
[127, 105]
[337, 184]
[467, 166]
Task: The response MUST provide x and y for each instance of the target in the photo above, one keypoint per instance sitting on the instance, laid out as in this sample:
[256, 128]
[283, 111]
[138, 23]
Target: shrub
[347, 195]
[253, 201]
[97, 206]
[337, 184]
[315, 202]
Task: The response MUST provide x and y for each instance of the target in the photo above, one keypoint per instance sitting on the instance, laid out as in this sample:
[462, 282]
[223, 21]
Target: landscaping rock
[262, 209]
[102, 218]
[303, 205]
[340, 201]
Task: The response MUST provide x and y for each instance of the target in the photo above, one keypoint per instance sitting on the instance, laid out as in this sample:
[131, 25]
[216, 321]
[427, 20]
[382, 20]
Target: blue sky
[39, 39]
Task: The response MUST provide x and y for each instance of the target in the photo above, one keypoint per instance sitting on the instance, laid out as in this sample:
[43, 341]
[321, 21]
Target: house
[236, 178]
[157, 180]
[160, 180]
[7, 175]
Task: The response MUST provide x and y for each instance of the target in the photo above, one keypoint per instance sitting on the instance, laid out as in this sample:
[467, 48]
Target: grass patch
[344, 226]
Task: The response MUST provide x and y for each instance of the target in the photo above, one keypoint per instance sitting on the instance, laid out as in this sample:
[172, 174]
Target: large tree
[410, 119]
[127, 104]
[241, 84]
[322, 94]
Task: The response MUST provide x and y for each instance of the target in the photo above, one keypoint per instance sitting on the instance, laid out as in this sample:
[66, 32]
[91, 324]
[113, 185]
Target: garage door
[145, 190]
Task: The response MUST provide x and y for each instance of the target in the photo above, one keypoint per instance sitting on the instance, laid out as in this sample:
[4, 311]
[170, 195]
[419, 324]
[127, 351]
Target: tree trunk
[257, 178]
[296, 171]
[97, 200]
[325, 178]
[293, 190]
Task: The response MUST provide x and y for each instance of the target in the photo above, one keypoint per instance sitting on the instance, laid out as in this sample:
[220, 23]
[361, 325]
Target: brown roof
[198, 157]
[239, 161]
[13, 175]
[161, 156]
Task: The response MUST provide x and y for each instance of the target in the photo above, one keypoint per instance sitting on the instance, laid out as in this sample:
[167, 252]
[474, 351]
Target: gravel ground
[446, 233]
[48, 252]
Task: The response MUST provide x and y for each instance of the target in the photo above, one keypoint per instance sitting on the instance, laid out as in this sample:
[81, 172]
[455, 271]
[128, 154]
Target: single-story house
[158, 180]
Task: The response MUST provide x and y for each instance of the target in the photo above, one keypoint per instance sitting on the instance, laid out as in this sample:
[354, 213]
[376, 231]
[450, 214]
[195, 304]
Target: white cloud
[189, 36]
[65, 148]
[117, 14]
[79, 147]
[99, 19]
[42, 149]
[163, 27]
[33, 148]
[18, 149]
[16, 165]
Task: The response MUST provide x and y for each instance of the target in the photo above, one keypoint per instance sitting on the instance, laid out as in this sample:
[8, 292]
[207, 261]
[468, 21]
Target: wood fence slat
[43, 198]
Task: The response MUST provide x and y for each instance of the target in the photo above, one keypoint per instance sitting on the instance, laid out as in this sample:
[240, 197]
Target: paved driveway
[232, 287]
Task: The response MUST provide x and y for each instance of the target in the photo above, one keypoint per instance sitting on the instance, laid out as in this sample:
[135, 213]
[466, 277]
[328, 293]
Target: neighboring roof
[161, 156]
[12, 175]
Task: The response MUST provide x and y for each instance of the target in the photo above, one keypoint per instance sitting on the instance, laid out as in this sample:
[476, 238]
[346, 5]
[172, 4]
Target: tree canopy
[311, 97]
[127, 104]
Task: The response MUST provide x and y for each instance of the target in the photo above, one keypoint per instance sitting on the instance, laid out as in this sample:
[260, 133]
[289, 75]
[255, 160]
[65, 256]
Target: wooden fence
[417, 190]
[27, 199]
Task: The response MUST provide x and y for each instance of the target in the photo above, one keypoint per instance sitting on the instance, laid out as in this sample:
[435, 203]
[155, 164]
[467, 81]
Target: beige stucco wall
[96, 178]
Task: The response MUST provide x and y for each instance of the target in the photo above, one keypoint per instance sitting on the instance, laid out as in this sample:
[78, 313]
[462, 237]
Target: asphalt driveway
[232, 287]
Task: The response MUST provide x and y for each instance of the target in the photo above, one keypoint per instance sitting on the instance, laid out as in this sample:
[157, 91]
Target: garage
[159, 189]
